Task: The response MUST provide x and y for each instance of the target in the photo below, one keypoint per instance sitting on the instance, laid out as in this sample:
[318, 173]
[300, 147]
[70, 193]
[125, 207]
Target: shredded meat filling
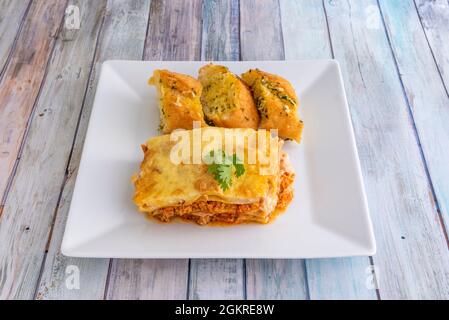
[203, 212]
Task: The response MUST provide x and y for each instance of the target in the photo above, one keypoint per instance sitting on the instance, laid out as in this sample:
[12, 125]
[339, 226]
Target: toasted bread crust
[179, 100]
[227, 101]
[277, 103]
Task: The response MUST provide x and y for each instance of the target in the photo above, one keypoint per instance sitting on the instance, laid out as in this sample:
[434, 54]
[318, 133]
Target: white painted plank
[12, 13]
[427, 94]
[261, 39]
[412, 259]
[306, 36]
[435, 21]
[122, 37]
[174, 33]
[218, 278]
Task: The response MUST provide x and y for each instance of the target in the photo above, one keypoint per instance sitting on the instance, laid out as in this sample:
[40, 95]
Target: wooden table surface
[394, 57]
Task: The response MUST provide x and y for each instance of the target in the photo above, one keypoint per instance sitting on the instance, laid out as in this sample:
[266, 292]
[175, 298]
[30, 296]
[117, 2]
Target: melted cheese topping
[166, 189]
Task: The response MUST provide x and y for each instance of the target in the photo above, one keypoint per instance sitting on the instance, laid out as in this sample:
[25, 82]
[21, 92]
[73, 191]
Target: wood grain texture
[268, 279]
[175, 30]
[260, 30]
[342, 278]
[22, 234]
[435, 21]
[412, 257]
[398, 99]
[304, 30]
[427, 93]
[148, 279]
[305, 34]
[220, 35]
[122, 36]
[218, 278]
[276, 279]
[174, 33]
[12, 13]
[21, 81]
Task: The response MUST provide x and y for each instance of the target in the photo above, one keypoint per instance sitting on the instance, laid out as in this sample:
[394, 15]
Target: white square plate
[328, 216]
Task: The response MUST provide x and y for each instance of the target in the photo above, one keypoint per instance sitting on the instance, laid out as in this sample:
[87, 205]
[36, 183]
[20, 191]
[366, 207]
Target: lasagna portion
[167, 188]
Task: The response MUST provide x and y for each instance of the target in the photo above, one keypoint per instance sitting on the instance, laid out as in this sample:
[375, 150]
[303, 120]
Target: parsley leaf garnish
[221, 167]
[239, 167]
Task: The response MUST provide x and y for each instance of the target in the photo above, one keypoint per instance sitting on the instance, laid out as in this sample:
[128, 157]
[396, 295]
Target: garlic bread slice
[276, 102]
[227, 101]
[179, 100]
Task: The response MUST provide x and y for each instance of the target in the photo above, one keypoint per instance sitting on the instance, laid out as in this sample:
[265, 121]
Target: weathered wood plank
[34, 193]
[428, 96]
[412, 259]
[175, 30]
[218, 278]
[344, 278]
[260, 30]
[304, 30]
[174, 33]
[144, 279]
[435, 21]
[276, 279]
[22, 234]
[268, 279]
[12, 13]
[21, 81]
[122, 37]
[305, 34]
[220, 36]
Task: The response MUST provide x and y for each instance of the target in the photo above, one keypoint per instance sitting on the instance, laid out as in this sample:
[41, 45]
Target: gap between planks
[412, 117]
[122, 36]
[67, 171]
[440, 72]
[31, 115]
[16, 37]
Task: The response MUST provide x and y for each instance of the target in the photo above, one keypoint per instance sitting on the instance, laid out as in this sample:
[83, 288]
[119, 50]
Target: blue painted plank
[344, 278]
[427, 84]
[412, 259]
[306, 36]
[276, 279]
[220, 36]
[435, 21]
